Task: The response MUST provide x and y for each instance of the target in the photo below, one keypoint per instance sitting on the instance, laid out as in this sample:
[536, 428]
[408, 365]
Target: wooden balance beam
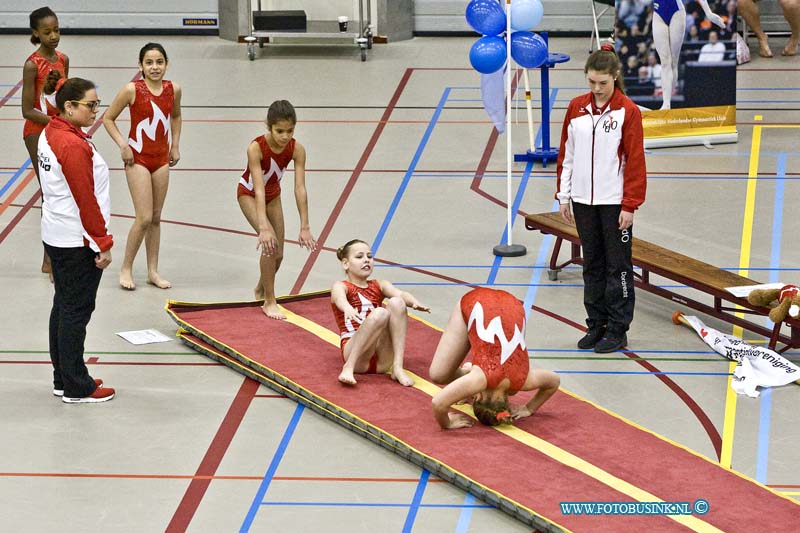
[653, 259]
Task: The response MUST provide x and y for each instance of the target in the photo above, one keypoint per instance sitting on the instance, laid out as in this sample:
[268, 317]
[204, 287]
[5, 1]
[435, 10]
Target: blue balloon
[486, 17]
[526, 14]
[488, 54]
[528, 49]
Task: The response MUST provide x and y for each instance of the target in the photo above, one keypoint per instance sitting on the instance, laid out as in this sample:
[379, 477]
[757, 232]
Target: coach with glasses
[75, 214]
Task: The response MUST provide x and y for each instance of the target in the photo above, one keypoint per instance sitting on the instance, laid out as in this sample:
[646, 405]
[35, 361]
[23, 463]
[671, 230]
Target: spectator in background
[713, 50]
[693, 35]
[791, 12]
[654, 70]
[631, 68]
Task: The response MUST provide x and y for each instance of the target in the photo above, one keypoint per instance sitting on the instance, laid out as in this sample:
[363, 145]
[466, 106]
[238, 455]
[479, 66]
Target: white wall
[559, 15]
[108, 15]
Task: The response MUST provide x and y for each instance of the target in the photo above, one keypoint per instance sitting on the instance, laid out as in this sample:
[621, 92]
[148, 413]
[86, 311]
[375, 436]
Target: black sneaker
[592, 336]
[611, 343]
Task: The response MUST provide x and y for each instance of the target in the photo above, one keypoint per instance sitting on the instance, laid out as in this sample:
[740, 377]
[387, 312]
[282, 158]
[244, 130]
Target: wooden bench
[653, 259]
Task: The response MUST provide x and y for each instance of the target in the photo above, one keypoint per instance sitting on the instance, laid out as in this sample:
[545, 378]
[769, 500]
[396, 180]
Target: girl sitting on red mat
[373, 337]
[491, 323]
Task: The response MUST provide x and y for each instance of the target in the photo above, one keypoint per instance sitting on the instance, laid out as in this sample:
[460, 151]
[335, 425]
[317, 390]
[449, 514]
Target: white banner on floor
[758, 367]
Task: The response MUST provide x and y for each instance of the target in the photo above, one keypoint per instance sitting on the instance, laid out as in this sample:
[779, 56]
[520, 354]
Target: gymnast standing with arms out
[373, 336]
[42, 70]
[491, 323]
[601, 172]
[152, 147]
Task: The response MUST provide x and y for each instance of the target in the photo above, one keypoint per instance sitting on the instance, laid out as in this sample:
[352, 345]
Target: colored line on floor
[216, 477]
[541, 258]
[258, 500]
[216, 451]
[416, 501]
[378, 240]
[322, 237]
[765, 403]
[504, 238]
[729, 418]
[465, 517]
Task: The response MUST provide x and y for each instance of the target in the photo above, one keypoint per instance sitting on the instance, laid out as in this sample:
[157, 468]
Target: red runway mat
[569, 451]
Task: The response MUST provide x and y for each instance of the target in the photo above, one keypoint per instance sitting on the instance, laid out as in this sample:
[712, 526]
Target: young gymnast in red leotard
[149, 151]
[492, 324]
[259, 196]
[42, 70]
[373, 337]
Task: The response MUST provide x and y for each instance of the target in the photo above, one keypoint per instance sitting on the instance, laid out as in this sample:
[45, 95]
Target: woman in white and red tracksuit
[75, 214]
[601, 171]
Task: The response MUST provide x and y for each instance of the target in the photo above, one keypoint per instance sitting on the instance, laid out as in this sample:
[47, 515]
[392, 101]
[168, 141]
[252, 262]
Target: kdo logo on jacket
[44, 162]
[609, 124]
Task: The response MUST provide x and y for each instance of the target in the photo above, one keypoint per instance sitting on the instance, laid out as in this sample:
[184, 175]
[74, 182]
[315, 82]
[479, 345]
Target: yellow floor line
[551, 450]
[729, 421]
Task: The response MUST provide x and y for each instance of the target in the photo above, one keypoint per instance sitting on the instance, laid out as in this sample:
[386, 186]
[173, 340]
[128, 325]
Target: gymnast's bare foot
[400, 376]
[126, 280]
[153, 278]
[790, 49]
[272, 311]
[346, 376]
[764, 49]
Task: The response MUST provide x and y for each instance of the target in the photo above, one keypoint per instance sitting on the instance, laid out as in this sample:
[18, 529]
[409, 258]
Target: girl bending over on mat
[149, 151]
[259, 196]
[373, 337]
[492, 324]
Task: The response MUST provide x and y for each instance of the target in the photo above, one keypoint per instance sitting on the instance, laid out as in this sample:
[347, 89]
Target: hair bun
[60, 83]
[608, 47]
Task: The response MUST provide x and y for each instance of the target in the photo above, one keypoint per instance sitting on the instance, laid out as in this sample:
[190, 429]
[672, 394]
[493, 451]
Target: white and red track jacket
[75, 201]
[601, 161]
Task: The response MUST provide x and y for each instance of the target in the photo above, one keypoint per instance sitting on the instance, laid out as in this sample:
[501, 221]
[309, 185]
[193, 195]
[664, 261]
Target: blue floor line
[258, 500]
[541, 258]
[19, 172]
[377, 241]
[416, 501]
[765, 404]
[465, 517]
[523, 185]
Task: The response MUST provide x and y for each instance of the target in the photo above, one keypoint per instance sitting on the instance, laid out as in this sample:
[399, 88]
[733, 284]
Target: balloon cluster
[488, 18]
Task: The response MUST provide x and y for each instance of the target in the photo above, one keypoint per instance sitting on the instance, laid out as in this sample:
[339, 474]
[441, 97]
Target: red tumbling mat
[569, 451]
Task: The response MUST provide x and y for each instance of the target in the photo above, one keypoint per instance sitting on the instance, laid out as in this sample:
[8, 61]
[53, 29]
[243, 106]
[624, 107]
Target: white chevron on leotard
[495, 330]
[149, 127]
[366, 307]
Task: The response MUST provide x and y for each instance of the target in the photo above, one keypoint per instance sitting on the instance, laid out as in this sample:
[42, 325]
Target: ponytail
[606, 61]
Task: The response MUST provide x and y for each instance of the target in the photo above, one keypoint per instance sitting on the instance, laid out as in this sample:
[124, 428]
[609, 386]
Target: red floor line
[80, 475]
[480, 171]
[702, 417]
[216, 451]
[11, 93]
[348, 188]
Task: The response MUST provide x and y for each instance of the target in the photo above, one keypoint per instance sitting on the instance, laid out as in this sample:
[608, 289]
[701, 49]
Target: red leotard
[272, 166]
[496, 329]
[364, 300]
[45, 103]
[150, 137]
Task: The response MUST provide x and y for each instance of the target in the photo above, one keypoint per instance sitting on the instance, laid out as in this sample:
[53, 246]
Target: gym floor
[400, 154]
